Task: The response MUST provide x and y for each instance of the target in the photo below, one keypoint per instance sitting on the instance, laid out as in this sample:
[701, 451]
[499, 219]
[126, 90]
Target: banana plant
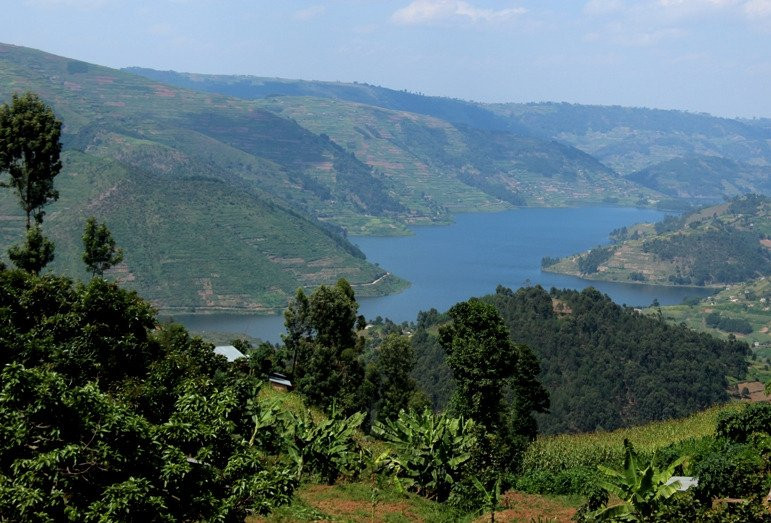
[328, 448]
[642, 488]
[429, 450]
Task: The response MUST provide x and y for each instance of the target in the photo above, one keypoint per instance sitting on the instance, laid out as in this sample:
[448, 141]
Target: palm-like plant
[430, 450]
[642, 488]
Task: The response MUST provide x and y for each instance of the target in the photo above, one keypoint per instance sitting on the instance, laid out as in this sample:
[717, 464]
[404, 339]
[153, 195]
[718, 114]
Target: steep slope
[454, 139]
[714, 246]
[459, 167]
[604, 366]
[706, 178]
[630, 139]
[196, 187]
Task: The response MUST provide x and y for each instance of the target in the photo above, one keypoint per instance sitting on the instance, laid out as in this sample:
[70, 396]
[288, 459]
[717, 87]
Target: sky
[711, 56]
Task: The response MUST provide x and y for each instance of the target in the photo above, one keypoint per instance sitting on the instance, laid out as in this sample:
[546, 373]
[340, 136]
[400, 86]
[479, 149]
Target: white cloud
[310, 12]
[427, 11]
[758, 8]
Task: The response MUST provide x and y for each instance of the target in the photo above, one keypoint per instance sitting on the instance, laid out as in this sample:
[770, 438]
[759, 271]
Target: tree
[36, 252]
[481, 358]
[324, 348]
[99, 251]
[29, 152]
[298, 328]
[395, 359]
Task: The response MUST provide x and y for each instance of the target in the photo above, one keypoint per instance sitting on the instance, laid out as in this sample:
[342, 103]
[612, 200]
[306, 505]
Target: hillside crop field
[712, 247]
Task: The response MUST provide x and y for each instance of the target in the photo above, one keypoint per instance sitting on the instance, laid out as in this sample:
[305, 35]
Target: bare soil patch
[527, 507]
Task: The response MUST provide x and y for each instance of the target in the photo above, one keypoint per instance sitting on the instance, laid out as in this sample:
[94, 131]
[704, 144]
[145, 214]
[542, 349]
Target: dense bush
[430, 451]
[589, 263]
[733, 470]
[738, 426]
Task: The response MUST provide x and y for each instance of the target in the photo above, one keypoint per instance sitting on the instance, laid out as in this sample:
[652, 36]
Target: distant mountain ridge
[625, 139]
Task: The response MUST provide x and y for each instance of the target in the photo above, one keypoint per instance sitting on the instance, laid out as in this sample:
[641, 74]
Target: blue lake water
[448, 264]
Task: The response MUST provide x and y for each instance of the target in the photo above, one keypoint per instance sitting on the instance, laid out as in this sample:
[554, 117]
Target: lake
[448, 264]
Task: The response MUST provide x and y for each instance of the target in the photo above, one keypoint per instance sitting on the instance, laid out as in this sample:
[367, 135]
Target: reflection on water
[448, 264]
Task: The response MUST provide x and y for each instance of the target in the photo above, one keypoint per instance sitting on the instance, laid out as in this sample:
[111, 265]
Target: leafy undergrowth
[363, 502]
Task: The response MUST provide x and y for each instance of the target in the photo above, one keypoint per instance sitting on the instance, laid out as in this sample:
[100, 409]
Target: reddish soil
[324, 499]
[528, 507]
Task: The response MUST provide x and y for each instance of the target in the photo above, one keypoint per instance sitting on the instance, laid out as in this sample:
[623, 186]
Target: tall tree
[29, 152]
[325, 350]
[394, 362]
[486, 364]
[99, 250]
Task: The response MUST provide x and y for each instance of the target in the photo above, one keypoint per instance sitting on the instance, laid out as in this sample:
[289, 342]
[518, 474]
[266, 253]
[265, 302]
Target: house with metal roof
[229, 351]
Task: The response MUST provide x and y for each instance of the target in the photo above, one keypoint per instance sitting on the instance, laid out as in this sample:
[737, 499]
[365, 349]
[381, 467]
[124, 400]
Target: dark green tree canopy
[99, 250]
[488, 367]
[29, 152]
[36, 252]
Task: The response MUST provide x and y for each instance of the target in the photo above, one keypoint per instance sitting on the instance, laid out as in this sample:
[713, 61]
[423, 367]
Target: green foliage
[605, 366]
[641, 488]
[29, 152]
[575, 480]
[327, 448]
[429, 451]
[717, 321]
[394, 361]
[739, 426]
[715, 256]
[484, 362]
[99, 251]
[588, 264]
[732, 470]
[35, 253]
[105, 417]
[323, 348]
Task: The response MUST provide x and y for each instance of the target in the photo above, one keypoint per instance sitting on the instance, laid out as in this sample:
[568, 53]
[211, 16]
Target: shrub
[738, 426]
[733, 470]
[430, 450]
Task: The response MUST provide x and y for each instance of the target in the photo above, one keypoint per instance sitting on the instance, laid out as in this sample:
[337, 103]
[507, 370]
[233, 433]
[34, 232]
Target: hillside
[453, 147]
[625, 139]
[459, 168]
[741, 311]
[705, 178]
[216, 200]
[604, 366]
[714, 246]
[629, 139]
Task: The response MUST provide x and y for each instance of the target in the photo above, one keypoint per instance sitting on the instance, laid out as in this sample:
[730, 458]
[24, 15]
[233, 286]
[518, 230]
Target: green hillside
[435, 165]
[448, 146]
[714, 246]
[629, 139]
[707, 178]
[214, 199]
[711, 157]
[603, 365]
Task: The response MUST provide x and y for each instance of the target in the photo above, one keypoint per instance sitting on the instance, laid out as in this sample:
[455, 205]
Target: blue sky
[699, 55]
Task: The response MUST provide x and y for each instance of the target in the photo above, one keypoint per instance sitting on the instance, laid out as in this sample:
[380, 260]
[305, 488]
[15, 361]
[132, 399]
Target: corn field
[564, 451]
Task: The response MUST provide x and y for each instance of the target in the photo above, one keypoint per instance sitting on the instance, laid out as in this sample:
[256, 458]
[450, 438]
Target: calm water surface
[448, 264]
